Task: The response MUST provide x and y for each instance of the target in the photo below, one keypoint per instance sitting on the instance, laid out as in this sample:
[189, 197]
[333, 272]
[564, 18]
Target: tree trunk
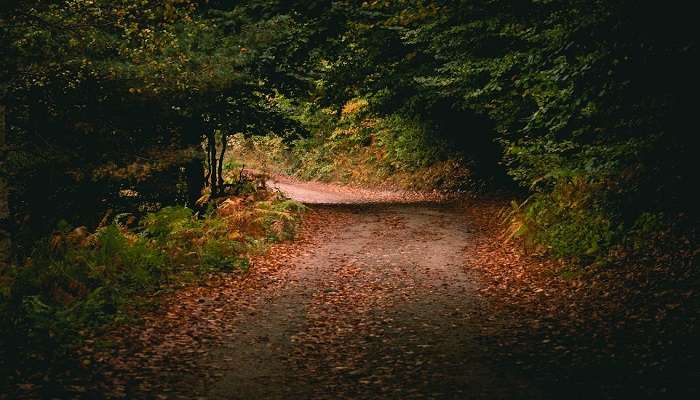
[224, 139]
[213, 178]
[5, 239]
[207, 165]
[194, 173]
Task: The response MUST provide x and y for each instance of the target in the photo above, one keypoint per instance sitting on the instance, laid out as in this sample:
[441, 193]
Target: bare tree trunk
[194, 172]
[207, 164]
[5, 239]
[224, 139]
[213, 179]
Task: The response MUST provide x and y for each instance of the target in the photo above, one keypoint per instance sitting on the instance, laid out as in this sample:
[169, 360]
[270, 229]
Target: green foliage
[357, 145]
[382, 87]
[565, 87]
[648, 232]
[75, 283]
[72, 283]
[581, 125]
[279, 218]
[162, 224]
[68, 286]
[222, 254]
[204, 243]
[104, 97]
[406, 143]
[567, 230]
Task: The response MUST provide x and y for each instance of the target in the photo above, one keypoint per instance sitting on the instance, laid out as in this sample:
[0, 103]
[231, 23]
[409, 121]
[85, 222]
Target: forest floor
[396, 295]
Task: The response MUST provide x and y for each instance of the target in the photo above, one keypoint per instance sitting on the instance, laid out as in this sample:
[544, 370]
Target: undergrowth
[358, 147]
[77, 283]
[581, 222]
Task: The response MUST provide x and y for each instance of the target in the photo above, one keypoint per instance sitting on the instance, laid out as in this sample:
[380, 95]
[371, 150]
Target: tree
[105, 96]
[86, 87]
[585, 104]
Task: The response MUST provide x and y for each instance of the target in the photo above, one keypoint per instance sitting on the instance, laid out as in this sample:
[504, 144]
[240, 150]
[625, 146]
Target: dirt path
[328, 194]
[378, 306]
[374, 300]
[394, 295]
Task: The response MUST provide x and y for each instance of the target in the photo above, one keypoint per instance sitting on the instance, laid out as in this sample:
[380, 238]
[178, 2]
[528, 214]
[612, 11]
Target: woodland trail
[378, 306]
[396, 295]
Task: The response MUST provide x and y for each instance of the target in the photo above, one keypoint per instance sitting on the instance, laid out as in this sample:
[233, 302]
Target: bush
[279, 218]
[406, 144]
[358, 146]
[86, 283]
[76, 282]
[72, 282]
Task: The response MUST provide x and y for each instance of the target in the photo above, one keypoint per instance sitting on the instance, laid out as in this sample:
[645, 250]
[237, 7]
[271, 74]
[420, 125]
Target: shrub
[76, 282]
[571, 220]
[407, 144]
[279, 218]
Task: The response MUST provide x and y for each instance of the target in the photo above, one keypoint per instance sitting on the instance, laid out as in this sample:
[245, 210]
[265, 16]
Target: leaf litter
[409, 300]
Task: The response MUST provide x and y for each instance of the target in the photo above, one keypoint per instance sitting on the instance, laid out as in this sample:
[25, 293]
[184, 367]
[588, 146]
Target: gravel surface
[380, 308]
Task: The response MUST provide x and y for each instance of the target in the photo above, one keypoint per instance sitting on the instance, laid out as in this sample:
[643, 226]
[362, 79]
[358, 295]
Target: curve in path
[378, 307]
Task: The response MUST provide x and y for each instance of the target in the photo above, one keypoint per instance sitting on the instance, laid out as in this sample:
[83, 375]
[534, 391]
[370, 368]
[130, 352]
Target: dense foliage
[102, 97]
[112, 107]
[358, 146]
[590, 101]
[585, 105]
[76, 282]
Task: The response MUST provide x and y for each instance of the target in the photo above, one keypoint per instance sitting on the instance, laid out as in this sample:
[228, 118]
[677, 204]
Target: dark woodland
[270, 199]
